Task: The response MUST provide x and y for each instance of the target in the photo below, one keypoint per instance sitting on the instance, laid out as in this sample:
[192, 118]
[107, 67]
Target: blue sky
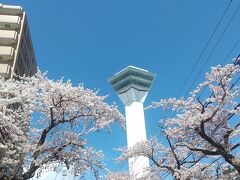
[89, 41]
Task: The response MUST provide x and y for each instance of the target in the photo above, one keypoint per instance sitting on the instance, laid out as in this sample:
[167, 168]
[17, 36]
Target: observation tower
[132, 85]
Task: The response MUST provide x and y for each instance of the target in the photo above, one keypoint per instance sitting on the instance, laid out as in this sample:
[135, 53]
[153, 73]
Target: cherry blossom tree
[203, 136]
[45, 122]
[15, 108]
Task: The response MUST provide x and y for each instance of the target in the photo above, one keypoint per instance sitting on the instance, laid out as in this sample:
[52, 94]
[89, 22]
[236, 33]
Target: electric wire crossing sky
[132, 85]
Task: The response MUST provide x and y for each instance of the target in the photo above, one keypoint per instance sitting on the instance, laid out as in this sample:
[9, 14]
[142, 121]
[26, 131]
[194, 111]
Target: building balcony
[5, 70]
[10, 22]
[9, 9]
[8, 37]
[6, 53]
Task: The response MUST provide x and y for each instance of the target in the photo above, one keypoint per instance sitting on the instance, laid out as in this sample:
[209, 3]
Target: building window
[7, 26]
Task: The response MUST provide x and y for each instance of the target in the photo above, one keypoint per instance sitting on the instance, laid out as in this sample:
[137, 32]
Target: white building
[16, 49]
[132, 85]
[55, 171]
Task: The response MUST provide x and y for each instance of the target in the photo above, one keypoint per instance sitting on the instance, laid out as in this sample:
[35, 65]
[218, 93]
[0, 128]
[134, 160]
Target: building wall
[16, 49]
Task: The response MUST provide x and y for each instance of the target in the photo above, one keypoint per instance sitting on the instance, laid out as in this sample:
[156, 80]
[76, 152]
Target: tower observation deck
[132, 85]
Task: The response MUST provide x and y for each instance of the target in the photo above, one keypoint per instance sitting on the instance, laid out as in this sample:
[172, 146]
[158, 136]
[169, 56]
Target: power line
[214, 48]
[229, 117]
[230, 52]
[211, 163]
[205, 47]
[235, 63]
[204, 155]
[232, 86]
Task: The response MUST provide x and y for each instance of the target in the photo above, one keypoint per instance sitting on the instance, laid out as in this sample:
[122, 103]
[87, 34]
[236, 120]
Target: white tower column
[136, 132]
[132, 85]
